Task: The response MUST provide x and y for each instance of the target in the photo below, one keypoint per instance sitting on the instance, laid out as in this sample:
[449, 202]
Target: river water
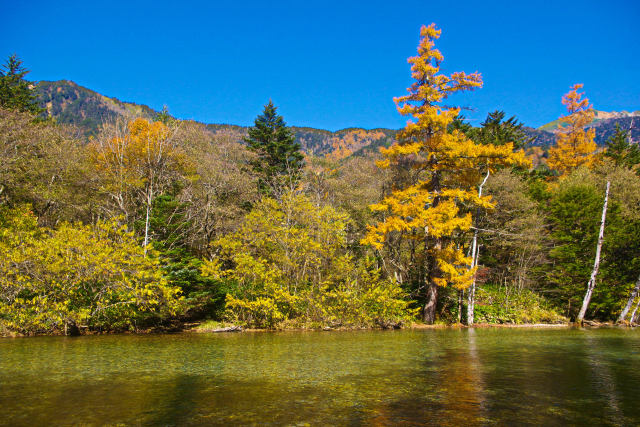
[410, 377]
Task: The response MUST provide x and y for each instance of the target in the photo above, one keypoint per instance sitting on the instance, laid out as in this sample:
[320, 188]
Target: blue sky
[329, 64]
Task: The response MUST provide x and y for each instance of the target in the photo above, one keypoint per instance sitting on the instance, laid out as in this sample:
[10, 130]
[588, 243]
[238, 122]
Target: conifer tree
[15, 91]
[436, 207]
[621, 151]
[574, 145]
[279, 155]
[497, 131]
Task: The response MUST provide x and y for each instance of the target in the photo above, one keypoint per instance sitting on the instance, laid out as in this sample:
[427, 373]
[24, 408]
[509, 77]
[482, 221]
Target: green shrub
[498, 304]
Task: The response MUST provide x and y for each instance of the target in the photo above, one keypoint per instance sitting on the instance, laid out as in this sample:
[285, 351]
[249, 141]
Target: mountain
[70, 103]
[339, 144]
[540, 138]
[604, 124]
[600, 117]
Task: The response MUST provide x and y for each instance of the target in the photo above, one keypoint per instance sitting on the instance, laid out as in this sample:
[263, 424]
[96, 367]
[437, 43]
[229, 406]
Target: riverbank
[221, 327]
[207, 327]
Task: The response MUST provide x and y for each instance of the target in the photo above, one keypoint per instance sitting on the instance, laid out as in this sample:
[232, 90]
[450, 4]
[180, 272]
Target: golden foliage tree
[435, 206]
[137, 164]
[574, 145]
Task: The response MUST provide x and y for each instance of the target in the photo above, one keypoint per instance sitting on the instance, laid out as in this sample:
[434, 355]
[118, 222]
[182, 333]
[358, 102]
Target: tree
[164, 117]
[61, 279]
[596, 263]
[291, 263]
[44, 165]
[621, 151]
[435, 207]
[574, 145]
[279, 155]
[137, 164]
[225, 189]
[575, 213]
[497, 131]
[515, 245]
[15, 92]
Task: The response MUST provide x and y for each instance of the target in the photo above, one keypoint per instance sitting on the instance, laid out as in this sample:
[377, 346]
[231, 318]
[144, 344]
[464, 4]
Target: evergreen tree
[15, 91]
[460, 124]
[498, 132]
[164, 117]
[279, 155]
[621, 151]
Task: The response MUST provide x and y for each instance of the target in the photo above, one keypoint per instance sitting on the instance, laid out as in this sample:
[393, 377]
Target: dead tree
[596, 264]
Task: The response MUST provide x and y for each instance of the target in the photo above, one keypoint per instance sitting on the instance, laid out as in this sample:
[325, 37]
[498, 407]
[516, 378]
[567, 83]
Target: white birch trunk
[596, 264]
[632, 297]
[634, 314]
[471, 300]
[474, 262]
[146, 223]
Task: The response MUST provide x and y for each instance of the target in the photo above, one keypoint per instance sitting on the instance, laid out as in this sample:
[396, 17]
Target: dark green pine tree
[279, 157]
[498, 132]
[460, 124]
[15, 91]
[620, 150]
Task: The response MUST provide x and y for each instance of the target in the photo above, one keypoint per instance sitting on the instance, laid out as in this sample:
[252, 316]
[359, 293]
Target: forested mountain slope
[70, 103]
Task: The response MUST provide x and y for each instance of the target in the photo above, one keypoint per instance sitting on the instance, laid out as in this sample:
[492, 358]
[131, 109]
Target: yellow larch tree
[574, 145]
[435, 206]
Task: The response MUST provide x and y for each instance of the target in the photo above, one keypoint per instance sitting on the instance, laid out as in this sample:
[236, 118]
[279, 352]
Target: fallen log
[228, 329]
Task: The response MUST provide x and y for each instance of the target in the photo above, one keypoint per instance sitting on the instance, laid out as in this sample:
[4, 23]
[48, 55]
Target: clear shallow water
[432, 377]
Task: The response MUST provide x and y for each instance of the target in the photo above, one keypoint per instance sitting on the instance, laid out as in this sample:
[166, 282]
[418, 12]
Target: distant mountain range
[70, 103]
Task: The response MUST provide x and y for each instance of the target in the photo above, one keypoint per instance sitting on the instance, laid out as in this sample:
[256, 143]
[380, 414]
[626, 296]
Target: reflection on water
[432, 377]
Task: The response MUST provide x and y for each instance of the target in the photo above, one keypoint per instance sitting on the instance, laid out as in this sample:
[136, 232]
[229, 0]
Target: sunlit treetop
[575, 146]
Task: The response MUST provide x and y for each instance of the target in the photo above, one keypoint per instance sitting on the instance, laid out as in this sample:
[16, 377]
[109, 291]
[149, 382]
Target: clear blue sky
[328, 64]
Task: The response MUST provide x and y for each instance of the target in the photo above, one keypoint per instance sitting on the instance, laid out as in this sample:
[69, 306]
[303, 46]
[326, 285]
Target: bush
[77, 276]
[498, 304]
[291, 265]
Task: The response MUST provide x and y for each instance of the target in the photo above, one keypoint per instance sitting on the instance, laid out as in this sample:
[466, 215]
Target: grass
[211, 325]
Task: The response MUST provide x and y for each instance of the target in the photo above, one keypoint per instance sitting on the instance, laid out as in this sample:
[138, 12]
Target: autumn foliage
[436, 206]
[574, 145]
[151, 223]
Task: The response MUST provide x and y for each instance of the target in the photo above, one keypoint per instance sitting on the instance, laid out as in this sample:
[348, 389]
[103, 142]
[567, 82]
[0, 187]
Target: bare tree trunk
[634, 315]
[146, 223]
[429, 314]
[460, 299]
[474, 262]
[596, 264]
[632, 297]
[471, 298]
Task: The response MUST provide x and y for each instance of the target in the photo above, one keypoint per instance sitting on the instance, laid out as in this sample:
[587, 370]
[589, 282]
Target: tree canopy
[279, 156]
[16, 93]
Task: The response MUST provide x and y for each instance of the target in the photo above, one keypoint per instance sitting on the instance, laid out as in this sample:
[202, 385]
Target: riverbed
[530, 376]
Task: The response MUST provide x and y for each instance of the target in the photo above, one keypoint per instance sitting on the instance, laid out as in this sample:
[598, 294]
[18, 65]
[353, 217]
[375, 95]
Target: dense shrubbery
[290, 265]
[500, 304]
[93, 276]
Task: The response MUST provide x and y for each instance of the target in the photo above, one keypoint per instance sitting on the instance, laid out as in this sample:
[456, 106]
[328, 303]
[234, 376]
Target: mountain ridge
[71, 103]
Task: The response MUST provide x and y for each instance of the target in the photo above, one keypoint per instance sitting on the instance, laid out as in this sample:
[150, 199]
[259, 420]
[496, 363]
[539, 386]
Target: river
[496, 376]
